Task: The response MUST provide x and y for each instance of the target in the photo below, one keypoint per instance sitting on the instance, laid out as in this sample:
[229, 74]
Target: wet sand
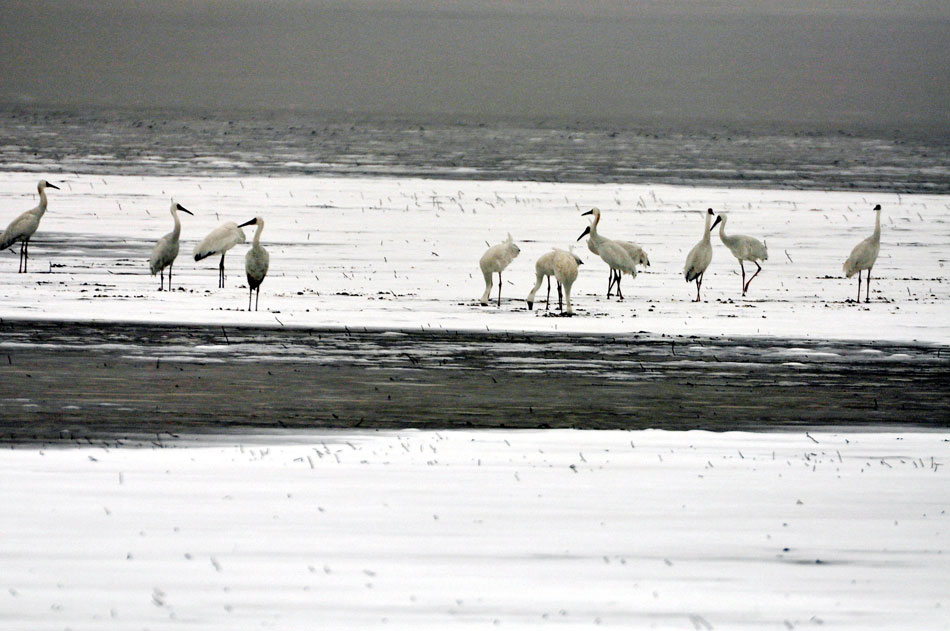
[69, 381]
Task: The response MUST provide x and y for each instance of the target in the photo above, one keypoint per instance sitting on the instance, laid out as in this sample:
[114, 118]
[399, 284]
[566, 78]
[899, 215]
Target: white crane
[633, 250]
[744, 248]
[493, 261]
[219, 241]
[256, 262]
[700, 256]
[23, 227]
[864, 255]
[612, 253]
[166, 250]
[562, 265]
[637, 253]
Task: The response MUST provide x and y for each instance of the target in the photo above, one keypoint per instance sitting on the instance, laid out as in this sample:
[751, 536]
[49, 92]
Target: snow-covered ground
[403, 253]
[419, 530]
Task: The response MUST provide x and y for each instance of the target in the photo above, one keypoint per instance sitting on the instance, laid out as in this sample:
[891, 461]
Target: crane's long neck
[706, 229]
[593, 227]
[877, 227]
[729, 241]
[42, 207]
[257, 234]
[176, 231]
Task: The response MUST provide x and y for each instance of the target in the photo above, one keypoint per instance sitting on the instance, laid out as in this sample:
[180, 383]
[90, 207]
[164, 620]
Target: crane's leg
[867, 296]
[610, 282]
[25, 251]
[859, 285]
[19, 269]
[619, 293]
[547, 301]
[499, 289]
[484, 299]
[221, 274]
[161, 279]
[250, 293]
[753, 277]
[743, 276]
[567, 298]
[699, 284]
[560, 306]
[170, 276]
[257, 298]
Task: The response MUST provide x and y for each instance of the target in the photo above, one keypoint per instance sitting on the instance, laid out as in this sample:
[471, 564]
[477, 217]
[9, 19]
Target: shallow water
[63, 381]
[170, 142]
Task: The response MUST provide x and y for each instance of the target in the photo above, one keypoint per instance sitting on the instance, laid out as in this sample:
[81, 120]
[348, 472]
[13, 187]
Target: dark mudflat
[75, 381]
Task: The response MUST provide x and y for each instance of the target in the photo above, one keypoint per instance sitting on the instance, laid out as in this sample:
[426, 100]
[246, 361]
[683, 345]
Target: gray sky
[874, 62]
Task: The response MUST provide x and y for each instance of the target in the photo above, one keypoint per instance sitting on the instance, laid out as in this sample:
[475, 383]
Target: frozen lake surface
[472, 529]
[403, 254]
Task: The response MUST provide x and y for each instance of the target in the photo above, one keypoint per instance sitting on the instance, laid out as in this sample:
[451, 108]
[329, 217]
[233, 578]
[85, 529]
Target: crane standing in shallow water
[864, 255]
[220, 240]
[256, 262]
[22, 228]
[166, 250]
[493, 261]
[562, 265]
[700, 256]
[744, 248]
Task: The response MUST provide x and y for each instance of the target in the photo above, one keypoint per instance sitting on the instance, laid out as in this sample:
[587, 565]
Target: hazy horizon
[881, 64]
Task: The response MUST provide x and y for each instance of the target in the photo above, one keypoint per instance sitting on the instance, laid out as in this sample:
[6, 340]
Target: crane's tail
[5, 242]
[204, 255]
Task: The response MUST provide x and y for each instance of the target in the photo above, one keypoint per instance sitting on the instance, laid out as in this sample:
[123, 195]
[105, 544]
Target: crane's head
[877, 207]
[45, 184]
[585, 233]
[252, 222]
[718, 219]
[593, 211]
[183, 209]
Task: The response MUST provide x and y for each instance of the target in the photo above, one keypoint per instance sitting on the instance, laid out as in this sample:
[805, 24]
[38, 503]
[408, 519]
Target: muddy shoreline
[62, 382]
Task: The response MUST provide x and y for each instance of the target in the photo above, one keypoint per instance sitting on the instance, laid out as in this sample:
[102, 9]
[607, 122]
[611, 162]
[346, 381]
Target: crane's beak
[249, 223]
[589, 212]
[585, 233]
[185, 210]
[715, 223]
[48, 185]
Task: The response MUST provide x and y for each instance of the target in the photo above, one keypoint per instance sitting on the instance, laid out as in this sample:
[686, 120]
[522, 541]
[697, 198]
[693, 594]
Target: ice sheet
[403, 253]
[419, 530]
